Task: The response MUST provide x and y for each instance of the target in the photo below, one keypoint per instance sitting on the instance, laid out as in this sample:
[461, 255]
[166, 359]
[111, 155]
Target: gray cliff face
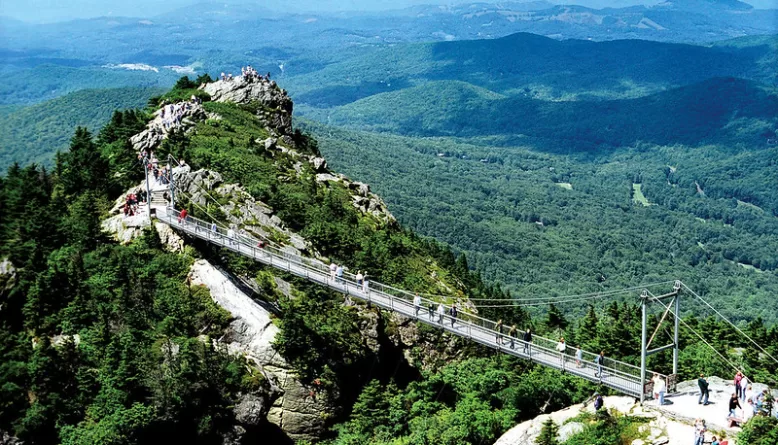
[251, 334]
[275, 106]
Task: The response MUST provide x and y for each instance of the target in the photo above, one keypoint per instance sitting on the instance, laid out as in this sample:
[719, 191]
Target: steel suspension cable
[726, 360]
[730, 323]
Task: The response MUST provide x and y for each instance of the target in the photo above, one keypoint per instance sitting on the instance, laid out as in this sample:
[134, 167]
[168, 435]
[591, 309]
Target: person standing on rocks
[598, 402]
[704, 393]
[699, 431]
[744, 387]
[660, 389]
[734, 403]
[417, 303]
[740, 391]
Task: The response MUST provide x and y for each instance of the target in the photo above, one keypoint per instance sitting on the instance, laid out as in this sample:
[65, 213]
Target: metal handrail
[472, 326]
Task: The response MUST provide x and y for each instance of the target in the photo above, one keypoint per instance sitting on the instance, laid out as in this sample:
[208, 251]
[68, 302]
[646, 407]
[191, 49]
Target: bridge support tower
[645, 342]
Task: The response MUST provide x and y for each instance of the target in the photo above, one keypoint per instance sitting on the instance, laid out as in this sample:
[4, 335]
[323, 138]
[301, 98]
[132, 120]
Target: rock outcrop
[656, 430]
[159, 128]
[7, 276]
[273, 106]
[238, 207]
[252, 333]
[362, 198]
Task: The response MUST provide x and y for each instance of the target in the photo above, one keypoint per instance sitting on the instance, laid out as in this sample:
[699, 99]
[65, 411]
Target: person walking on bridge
[528, 341]
[578, 356]
[417, 303]
[431, 309]
[704, 393]
[498, 329]
[561, 347]
[182, 216]
[453, 313]
[599, 360]
[360, 277]
[333, 269]
[339, 273]
[512, 335]
[365, 284]
[441, 311]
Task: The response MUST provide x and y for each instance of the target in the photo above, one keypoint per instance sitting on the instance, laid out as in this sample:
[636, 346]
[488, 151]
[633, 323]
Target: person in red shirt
[182, 216]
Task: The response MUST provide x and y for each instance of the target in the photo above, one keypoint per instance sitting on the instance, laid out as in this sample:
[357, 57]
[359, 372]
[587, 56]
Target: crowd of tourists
[248, 75]
[172, 114]
[162, 174]
[745, 403]
[132, 202]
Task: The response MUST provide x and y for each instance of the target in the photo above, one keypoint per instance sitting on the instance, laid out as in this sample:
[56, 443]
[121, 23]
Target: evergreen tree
[548, 433]
[83, 167]
[588, 333]
[555, 319]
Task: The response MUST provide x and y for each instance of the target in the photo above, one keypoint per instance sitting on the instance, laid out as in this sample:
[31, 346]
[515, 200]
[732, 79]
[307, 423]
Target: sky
[46, 11]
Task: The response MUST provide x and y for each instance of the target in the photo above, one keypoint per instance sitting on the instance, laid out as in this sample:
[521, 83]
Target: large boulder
[297, 411]
[273, 106]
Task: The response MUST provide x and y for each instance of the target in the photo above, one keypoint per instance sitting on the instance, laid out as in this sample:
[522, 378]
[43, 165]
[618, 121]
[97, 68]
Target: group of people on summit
[248, 74]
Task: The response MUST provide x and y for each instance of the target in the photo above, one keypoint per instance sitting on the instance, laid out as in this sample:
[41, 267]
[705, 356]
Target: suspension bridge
[620, 376]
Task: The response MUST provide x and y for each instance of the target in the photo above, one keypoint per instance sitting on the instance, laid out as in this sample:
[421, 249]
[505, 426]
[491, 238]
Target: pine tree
[555, 320]
[548, 433]
[588, 334]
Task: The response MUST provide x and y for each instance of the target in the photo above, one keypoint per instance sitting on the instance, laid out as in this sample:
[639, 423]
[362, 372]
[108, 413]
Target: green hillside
[716, 110]
[546, 224]
[34, 133]
[534, 66]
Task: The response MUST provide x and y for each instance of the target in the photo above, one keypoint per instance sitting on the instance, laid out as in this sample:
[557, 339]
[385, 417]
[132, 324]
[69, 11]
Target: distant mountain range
[692, 115]
[216, 36]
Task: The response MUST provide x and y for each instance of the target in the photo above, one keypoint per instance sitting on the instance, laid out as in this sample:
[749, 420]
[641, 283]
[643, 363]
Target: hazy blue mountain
[536, 66]
[716, 110]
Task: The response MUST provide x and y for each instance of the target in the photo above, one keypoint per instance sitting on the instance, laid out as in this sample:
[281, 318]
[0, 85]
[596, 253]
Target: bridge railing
[466, 324]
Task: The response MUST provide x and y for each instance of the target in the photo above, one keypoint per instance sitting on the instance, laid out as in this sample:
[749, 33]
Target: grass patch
[638, 197]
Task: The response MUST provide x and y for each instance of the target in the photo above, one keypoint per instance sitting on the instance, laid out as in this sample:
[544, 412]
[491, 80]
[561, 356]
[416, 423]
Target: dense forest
[102, 342]
[551, 225]
[34, 133]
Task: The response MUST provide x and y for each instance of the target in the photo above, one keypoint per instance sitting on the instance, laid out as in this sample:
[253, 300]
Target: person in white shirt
[417, 303]
[561, 347]
[333, 269]
[359, 277]
[659, 388]
[441, 311]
